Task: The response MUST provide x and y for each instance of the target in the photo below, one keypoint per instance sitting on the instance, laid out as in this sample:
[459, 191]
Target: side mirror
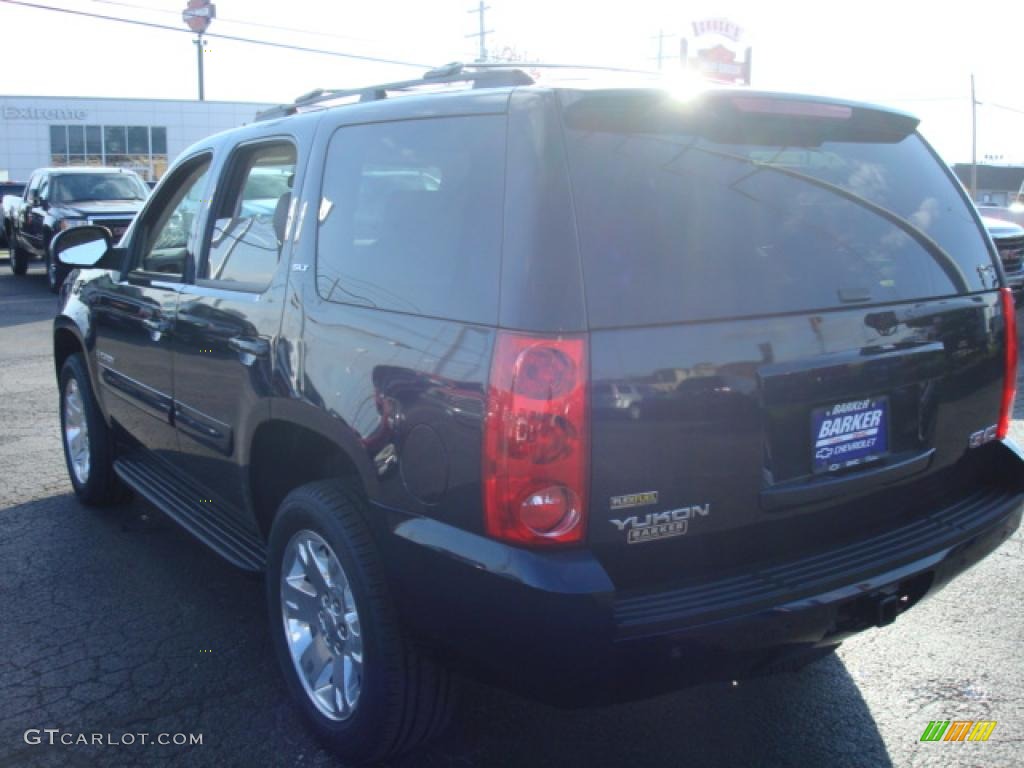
[86, 247]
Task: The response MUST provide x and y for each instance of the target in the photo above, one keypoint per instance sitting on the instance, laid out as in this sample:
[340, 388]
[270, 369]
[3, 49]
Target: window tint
[410, 217]
[169, 225]
[249, 225]
[686, 219]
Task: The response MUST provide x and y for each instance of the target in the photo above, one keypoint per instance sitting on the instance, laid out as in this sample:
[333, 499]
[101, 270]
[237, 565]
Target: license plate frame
[857, 434]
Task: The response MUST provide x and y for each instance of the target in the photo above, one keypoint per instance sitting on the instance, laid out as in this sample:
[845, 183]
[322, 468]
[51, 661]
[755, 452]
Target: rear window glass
[690, 215]
[410, 217]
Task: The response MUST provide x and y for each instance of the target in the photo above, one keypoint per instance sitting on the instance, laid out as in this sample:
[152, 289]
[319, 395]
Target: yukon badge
[660, 525]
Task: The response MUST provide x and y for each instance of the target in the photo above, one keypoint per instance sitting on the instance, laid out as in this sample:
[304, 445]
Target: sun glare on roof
[684, 86]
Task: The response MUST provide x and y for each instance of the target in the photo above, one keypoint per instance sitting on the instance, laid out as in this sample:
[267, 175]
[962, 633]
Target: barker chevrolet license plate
[851, 433]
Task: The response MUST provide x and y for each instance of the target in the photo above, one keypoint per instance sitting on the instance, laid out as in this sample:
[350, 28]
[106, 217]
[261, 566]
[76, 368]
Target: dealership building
[142, 134]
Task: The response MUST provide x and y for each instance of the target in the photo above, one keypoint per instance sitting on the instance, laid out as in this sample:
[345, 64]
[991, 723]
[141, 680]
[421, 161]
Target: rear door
[802, 306]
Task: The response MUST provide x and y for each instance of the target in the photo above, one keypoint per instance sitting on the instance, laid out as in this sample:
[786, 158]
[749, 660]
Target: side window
[33, 186]
[410, 217]
[44, 190]
[168, 229]
[250, 214]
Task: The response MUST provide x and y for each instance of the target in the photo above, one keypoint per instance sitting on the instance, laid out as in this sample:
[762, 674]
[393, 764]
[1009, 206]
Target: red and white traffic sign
[198, 15]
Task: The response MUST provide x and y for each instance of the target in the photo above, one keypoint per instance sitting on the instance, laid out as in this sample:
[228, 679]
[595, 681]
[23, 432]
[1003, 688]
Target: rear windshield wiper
[939, 254]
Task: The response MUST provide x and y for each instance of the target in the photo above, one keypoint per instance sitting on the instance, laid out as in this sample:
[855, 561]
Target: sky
[917, 56]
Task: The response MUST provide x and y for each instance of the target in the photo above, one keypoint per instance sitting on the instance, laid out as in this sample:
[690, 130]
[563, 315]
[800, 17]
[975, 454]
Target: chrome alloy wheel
[76, 432]
[321, 625]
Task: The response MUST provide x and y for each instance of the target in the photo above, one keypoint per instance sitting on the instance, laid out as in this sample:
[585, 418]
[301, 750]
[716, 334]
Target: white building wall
[25, 123]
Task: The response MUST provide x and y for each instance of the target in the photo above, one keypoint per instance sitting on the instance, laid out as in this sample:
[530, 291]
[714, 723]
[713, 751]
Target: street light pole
[199, 54]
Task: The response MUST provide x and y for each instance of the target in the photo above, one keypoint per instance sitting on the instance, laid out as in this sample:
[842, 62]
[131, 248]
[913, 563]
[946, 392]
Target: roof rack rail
[493, 65]
[456, 72]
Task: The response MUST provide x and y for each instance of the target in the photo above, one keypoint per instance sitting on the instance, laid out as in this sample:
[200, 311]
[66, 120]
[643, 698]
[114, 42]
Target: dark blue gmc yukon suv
[360, 345]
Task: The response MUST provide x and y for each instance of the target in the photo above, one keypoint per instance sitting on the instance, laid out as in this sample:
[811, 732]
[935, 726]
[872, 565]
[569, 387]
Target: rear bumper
[551, 625]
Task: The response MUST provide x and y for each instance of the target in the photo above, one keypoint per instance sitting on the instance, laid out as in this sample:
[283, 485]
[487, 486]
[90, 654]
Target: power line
[221, 19]
[925, 98]
[234, 38]
[1006, 108]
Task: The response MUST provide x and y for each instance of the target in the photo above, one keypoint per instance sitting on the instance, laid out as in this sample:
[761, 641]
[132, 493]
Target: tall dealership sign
[716, 45]
[197, 16]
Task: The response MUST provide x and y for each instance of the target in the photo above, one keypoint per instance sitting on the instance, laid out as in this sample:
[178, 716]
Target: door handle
[156, 325]
[194, 320]
[248, 345]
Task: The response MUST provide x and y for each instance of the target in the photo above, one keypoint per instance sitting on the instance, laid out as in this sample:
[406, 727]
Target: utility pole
[199, 53]
[974, 143]
[483, 33]
[660, 37]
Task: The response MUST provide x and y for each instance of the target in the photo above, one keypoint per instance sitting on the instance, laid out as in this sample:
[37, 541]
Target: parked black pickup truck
[589, 392]
[57, 199]
[1009, 241]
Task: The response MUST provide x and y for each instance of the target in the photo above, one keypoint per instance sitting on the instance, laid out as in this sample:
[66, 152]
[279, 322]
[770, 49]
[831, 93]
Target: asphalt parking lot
[120, 623]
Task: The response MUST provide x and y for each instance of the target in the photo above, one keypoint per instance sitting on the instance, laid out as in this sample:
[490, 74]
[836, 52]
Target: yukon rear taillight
[536, 441]
[1010, 376]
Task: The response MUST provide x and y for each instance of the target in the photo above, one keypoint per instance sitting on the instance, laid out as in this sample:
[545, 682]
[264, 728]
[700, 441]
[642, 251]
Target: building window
[138, 140]
[159, 140]
[139, 147]
[113, 139]
[76, 139]
[59, 139]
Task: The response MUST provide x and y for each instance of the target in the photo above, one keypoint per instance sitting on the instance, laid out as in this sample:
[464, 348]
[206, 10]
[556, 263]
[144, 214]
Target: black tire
[405, 698]
[19, 259]
[101, 487]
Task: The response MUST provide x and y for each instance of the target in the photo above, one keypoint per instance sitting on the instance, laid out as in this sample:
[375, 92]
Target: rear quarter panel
[403, 395]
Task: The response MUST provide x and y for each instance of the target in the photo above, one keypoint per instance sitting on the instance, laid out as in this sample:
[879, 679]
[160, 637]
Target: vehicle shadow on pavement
[25, 299]
[167, 637]
[816, 717]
